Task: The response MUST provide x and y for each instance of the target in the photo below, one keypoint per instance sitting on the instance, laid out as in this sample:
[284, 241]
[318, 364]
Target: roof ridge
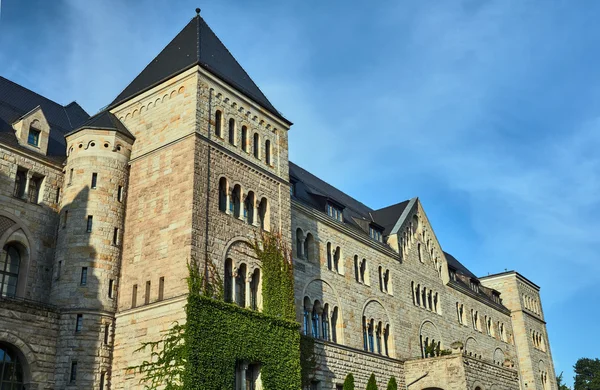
[32, 91]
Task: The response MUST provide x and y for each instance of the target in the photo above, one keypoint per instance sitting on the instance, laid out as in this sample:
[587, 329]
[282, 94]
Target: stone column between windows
[254, 212]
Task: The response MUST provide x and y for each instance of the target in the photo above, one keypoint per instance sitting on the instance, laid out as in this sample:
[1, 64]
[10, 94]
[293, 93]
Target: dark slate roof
[388, 216]
[196, 44]
[458, 266]
[316, 193]
[16, 101]
[106, 121]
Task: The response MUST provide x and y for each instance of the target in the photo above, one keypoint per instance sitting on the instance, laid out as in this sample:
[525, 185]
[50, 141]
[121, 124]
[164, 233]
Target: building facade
[99, 217]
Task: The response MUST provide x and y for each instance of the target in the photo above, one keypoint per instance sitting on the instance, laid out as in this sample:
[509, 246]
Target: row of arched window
[538, 340]
[241, 286]
[320, 320]
[232, 137]
[376, 336]
[305, 246]
[334, 258]
[244, 206]
[385, 281]
[531, 304]
[425, 298]
[491, 328]
[361, 271]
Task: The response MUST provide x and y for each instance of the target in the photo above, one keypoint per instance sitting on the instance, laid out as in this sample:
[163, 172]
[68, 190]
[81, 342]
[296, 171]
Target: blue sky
[488, 111]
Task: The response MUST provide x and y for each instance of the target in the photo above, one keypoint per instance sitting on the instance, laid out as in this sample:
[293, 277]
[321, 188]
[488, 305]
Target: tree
[559, 382]
[349, 382]
[372, 384]
[392, 385]
[587, 374]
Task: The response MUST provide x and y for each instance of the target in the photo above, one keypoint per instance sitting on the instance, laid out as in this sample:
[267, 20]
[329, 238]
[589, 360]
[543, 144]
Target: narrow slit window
[120, 193]
[147, 295]
[94, 180]
[116, 236]
[73, 376]
[161, 288]
[57, 195]
[90, 222]
[83, 280]
[111, 288]
[79, 323]
[106, 333]
[71, 176]
[134, 296]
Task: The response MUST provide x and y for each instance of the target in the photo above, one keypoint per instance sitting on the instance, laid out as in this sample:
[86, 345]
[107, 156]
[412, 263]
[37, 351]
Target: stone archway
[17, 359]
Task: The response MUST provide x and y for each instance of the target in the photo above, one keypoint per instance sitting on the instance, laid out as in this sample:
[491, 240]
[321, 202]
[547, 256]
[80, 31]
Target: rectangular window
[106, 330]
[34, 137]
[58, 269]
[57, 195]
[134, 296]
[83, 281]
[94, 180]
[161, 288]
[147, 295]
[73, 377]
[79, 323]
[111, 288]
[20, 183]
[90, 221]
[334, 212]
[71, 176]
[102, 380]
[35, 187]
[115, 236]
[120, 194]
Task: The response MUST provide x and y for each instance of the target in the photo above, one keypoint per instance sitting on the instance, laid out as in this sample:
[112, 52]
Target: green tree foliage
[349, 382]
[372, 383]
[559, 382]
[587, 374]
[392, 385]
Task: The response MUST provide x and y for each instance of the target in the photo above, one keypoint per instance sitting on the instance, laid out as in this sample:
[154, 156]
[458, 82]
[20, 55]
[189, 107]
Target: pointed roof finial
[198, 11]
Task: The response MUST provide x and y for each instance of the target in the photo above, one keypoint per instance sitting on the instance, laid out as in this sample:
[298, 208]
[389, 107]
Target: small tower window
[34, 137]
[94, 180]
[83, 280]
[245, 138]
[268, 152]
[90, 222]
[232, 131]
[256, 145]
[218, 124]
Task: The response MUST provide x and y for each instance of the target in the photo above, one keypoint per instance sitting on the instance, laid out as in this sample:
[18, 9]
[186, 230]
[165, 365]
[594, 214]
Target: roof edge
[510, 273]
[403, 216]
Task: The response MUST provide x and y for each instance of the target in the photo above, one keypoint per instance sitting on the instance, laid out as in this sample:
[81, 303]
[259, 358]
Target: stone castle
[100, 215]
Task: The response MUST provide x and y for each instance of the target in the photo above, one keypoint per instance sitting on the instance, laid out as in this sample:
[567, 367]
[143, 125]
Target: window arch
[227, 282]
[299, 243]
[329, 257]
[219, 124]
[232, 131]
[268, 152]
[364, 272]
[256, 145]
[356, 269]
[236, 203]
[223, 196]
[325, 323]
[9, 270]
[306, 317]
[315, 318]
[249, 208]
[12, 367]
[263, 214]
[336, 259]
[255, 290]
[309, 247]
[245, 139]
[240, 286]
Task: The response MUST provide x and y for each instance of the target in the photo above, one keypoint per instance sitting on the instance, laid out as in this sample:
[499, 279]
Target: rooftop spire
[197, 11]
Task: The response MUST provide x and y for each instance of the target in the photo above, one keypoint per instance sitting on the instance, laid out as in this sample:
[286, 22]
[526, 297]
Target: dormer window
[292, 189]
[375, 234]
[453, 274]
[334, 212]
[496, 297]
[474, 285]
[33, 138]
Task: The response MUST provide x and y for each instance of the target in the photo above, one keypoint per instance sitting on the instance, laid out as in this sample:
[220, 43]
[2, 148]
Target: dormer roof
[196, 44]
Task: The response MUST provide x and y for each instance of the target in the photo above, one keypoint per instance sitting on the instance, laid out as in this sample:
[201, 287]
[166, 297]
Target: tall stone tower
[522, 298]
[86, 269]
[208, 172]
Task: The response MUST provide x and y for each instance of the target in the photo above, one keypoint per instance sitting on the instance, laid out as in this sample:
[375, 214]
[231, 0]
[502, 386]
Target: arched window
[10, 262]
[315, 320]
[255, 289]
[378, 337]
[412, 289]
[256, 145]
[424, 297]
[227, 283]
[12, 368]
[299, 243]
[386, 338]
[249, 208]
[380, 279]
[336, 259]
[386, 281]
[235, 205]
[223, 194]
[334, 317]
[307, 306]
[245, 139]
[240, 286]
[365, 337]
[356, 269]
[325, 323]
[309, 243]
[232, 131]
[329, 257]
[371, 339]
[219, 124]
[363, 270]
[418, 294]
[420, 251]
[263, 214]
[268, 152]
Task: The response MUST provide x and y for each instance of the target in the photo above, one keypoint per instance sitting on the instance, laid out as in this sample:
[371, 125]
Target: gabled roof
[105, 121]
[196, 44]
[314, 192]
[16, 101]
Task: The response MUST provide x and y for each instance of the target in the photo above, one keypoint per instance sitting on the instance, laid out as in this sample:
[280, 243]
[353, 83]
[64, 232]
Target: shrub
[372, 384]
[349, 382]
[392, 385]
